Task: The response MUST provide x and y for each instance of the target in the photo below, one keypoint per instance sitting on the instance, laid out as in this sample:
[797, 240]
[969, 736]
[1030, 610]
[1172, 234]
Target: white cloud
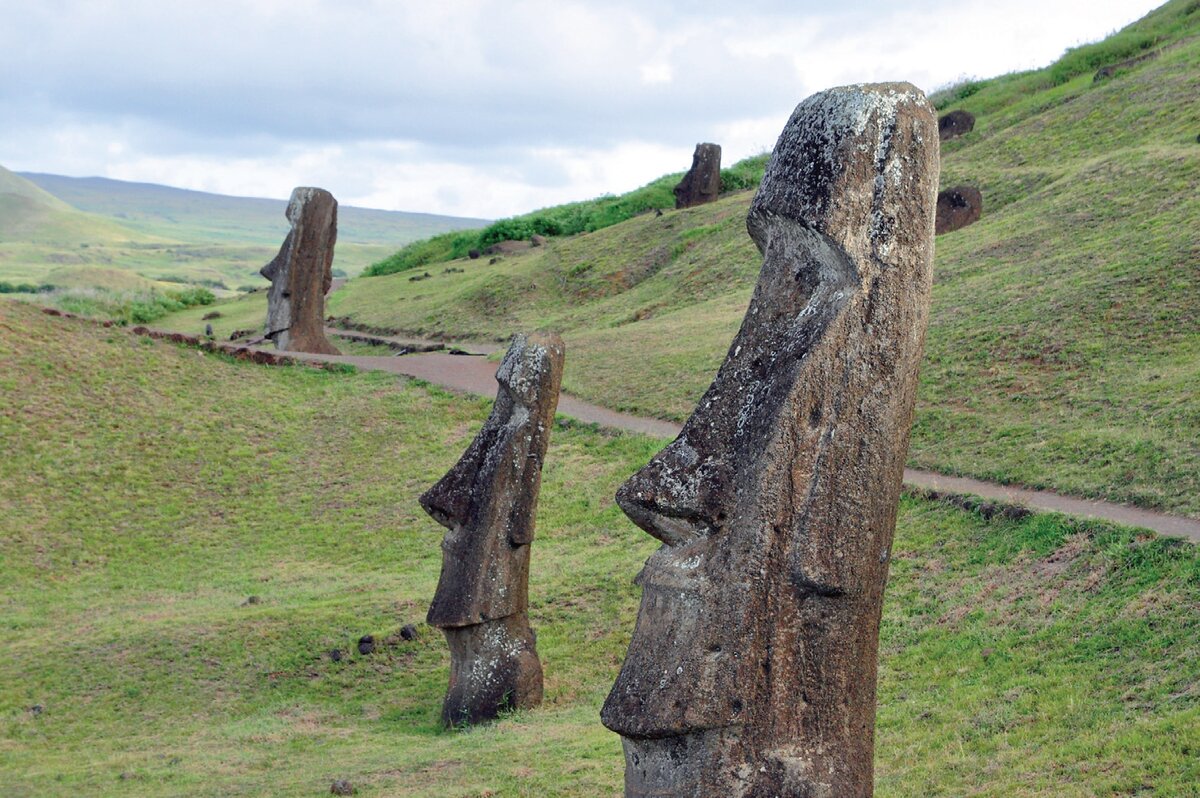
[474, 107]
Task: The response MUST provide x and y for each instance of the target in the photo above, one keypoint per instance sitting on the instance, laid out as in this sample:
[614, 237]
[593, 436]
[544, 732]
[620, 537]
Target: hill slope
[30, 215]
[1064, 348]
[162, 233]
[182, 214]
[148, 491]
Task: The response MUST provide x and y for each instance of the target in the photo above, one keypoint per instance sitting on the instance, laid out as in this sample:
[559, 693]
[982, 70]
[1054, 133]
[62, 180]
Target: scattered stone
[702, 183]
[658, 212]
[955, 124]
[36, 709]
[1112, 69]
[408, 632]
[453, 270]
[493, 261]
[473, 254]
[366, 645]
[752, 667]
[487, 502]
[215, 314]
[336, 655]
[236, 334]
[301, 274]
[417, 277]
[957, 208]
[341, 787]
[987, 652]
[208, 331]
[536, 240]
[251, 601]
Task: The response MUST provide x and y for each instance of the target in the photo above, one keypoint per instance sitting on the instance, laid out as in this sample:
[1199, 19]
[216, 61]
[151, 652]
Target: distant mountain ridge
[172, 235]
[162, 210]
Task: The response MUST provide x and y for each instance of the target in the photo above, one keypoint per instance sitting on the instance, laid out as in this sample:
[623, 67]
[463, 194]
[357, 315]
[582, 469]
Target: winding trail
[476, 375]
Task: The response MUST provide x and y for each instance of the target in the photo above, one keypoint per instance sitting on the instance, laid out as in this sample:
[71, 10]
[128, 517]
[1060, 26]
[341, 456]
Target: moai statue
[957, 208]
[301, 274]
[752, 667]
[487, 502]
[955, 124]
[702, 183]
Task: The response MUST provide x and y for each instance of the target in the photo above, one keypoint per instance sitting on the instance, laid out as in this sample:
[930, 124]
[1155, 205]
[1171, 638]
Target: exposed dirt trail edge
[477, 375]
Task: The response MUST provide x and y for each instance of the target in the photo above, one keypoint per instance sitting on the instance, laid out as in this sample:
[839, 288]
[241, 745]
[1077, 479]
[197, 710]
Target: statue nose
[678, 496]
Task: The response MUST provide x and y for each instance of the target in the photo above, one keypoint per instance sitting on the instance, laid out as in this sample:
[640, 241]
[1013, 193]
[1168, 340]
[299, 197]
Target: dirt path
[477, 375]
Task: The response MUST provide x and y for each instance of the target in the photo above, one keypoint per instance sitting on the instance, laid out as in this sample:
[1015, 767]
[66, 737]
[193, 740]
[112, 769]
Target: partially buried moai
[302, 273]
[487, 502]
[752, 667]
[701, 183]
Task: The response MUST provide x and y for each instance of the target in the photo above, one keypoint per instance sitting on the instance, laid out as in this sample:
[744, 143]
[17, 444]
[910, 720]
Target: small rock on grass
[408, 632]
[366, 645]
[341, 787]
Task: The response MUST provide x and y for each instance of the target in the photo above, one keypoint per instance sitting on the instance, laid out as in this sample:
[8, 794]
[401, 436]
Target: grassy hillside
[148, 492]
[172, 235]
[30, 216]
[1064, 348]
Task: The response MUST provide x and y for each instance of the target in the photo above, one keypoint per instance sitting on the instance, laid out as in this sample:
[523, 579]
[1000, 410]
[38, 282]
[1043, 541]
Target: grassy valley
[187, 538]
[1064, 347]
[170, 236]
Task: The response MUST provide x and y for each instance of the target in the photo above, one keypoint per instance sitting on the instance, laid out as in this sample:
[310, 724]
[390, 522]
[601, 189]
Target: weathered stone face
[955, 124]
[488, 502]
[957, 208]
[702, 183]
[301, 274]
[752, 666]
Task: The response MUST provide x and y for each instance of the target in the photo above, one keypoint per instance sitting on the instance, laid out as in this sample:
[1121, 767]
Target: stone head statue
[752, 666]
[302, 273]
[488, 502]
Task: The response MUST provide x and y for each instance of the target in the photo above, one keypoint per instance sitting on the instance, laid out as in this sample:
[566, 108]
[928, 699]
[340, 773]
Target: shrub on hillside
[24, 288]
[1090, 57]
[560, 220]
[130, 307]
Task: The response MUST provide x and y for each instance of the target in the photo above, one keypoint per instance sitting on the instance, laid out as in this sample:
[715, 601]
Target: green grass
[561, 220]
[148, 491]
[160, 233]
[1064, 346]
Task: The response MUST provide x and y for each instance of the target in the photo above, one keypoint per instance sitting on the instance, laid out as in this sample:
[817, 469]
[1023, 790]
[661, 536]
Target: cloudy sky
[471, 108]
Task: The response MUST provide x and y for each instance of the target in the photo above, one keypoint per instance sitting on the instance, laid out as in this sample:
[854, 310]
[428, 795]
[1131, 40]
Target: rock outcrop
[487, 502]
[955, 124]
[752, 667]
[301, 275]
[702, 183]
[958, 207]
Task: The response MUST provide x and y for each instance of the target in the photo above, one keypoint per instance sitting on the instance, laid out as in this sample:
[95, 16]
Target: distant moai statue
[957, 208]
[955, 124]
[301, 274]
[487, 502]
[752, 667]
[702, 183]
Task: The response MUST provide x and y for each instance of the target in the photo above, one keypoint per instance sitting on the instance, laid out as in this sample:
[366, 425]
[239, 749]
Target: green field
[149, 491]
[1064, 346]
[172, 236]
